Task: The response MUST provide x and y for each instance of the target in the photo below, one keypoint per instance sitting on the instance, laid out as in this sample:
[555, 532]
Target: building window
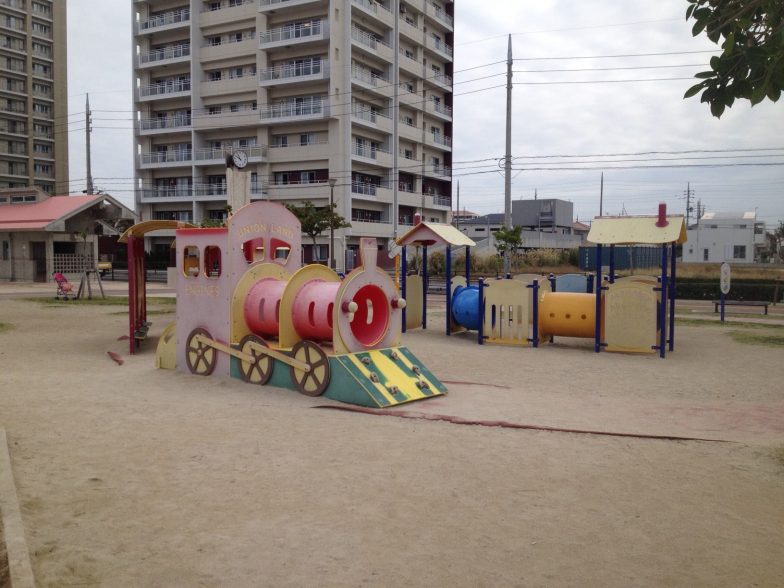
[212, 261]
[739, 252]
[704, 255]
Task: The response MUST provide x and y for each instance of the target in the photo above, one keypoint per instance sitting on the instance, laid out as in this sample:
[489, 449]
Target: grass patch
[691, 322]
[757, 339]
[5, 327]
[108, 301]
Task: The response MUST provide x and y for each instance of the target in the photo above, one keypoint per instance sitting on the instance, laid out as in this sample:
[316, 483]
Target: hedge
[699, 289]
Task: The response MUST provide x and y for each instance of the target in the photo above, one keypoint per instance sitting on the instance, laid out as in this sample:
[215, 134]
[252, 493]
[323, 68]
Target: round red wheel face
[371, 320]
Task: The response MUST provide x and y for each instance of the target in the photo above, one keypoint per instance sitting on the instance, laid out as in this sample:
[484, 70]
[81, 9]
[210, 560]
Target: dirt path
[132, 476]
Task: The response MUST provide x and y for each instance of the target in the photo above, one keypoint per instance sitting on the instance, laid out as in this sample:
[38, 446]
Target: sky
[635, 59]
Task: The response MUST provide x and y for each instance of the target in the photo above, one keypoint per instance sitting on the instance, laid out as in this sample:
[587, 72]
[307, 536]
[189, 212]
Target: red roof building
[41, 234]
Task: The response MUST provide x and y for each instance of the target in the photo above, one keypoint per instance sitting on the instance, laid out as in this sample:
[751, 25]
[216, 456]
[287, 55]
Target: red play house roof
[39, 215]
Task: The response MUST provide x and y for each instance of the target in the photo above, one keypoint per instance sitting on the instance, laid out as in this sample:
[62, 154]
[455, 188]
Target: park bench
[755, 303]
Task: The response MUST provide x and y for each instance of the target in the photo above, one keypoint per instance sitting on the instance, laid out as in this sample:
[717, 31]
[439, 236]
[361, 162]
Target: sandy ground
[131, 476]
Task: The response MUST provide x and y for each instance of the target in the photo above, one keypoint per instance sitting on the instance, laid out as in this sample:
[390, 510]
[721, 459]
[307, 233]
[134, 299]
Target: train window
[190, 261]
[212, 261]
[253, 250]
[280, 251]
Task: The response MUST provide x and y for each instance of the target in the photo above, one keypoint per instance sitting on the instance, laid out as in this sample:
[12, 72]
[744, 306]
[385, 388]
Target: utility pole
[457, 216]
[601, 195]
[87, 130]
[688, 203]
[508, 162]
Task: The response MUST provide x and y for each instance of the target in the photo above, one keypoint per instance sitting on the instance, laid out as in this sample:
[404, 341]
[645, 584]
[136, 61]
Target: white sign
[725, 278]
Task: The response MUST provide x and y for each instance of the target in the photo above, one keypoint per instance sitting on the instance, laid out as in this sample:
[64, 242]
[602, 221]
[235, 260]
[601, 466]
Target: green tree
[316, 220]
[509, 240]
[751, 65]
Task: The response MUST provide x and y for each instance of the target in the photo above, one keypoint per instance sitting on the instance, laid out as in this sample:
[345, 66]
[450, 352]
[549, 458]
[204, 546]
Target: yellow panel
[619, 230]
[630, 317]
[254, 274]
[508, 301]
[413, 302]
[166, 352]
[288, 336]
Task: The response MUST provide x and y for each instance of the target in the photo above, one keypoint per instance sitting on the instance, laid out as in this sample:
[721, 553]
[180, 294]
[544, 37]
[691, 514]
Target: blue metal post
[448, 289]
[612, 264]
[481, 311]
[722, 306]
[589, 283]
[597, 342]
[663, 306]
[424, 287]
[468, 265]
[535, 314]
[552, 280]
[672, 299]
[403, 272]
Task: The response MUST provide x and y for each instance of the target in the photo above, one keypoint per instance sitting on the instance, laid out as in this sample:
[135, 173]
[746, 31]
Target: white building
[352, 92]
[717, 237]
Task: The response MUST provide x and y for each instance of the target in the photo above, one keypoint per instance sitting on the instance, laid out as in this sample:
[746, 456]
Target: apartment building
[349, 99]
[33, 95]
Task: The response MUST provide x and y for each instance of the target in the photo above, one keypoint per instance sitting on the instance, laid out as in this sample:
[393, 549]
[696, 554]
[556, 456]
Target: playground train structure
[247, 308]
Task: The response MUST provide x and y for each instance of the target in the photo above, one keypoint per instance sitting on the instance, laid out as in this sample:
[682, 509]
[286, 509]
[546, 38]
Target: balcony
[211, 156]
[410, 30]
[374, 155]
[442, 172]
[165, 192]
[165, 22]
[228, 50]
[437, 109]
[370, 81]
[439, 47]
[228, 14]
[437, 13]
[410, 65]
[19, 5]
[368, 228]
[167, 124]
[229, 86]
[295, 111]
[163, 159]
[211, 191]
[171, 89]
[294, 35]
[291, 73]
[371, 44]
[297, 152]
[441, 80]
[166, 55]
[371, 119]
[375, 10]
[373, 192]
[409, 98]
[270, 5]
[410, 132]
[226, 120]
[437, 200]
[438, 140]
[311, 191]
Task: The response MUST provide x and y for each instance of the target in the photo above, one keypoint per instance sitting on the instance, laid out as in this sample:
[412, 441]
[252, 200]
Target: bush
[436, 263]
[692, 289]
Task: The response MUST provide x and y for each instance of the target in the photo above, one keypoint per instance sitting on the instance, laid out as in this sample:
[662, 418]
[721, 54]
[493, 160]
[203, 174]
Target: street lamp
[332, 182]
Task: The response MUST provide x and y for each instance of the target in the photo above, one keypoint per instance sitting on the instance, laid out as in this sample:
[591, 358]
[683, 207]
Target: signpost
[724, 285]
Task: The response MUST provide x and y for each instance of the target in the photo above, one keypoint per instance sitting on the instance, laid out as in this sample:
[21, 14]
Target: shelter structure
[662, 230]
[426, 235]
[42, 234]
[137, 276]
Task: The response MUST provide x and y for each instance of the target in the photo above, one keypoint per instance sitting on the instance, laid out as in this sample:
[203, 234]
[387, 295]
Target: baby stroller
[64, 287]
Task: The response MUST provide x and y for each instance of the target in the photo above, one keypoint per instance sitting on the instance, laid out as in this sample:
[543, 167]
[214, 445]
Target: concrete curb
[20, 570]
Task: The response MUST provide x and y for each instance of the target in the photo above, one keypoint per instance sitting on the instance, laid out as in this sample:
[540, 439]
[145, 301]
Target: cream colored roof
[432, 233]
[142, 228]
[618, 230]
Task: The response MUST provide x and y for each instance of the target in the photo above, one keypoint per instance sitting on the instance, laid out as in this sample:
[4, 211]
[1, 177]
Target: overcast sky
[603, 116]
